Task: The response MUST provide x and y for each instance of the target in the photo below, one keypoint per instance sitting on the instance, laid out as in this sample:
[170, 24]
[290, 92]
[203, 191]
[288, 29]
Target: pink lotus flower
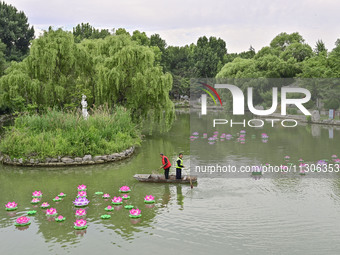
[60, 217]
[23, 220]
[51, 212]
[287, 157]
[117, 200]
[149, 198]
[124, 188]
[61, 194]
[135, 212]
[80, 212]
[125, 196]
[45, 204]
[57, 198]
[109, 207]
[80, 223]
[35, 200]
[334, 156]
[11, 205]
[37, 194]
[106, 196]
[82, 187]
[82, 194]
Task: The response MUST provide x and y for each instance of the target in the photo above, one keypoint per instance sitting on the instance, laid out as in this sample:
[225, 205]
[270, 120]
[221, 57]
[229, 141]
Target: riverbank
[67, 161]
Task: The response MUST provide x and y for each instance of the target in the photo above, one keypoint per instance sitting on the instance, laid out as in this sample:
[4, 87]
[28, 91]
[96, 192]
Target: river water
[273, 215]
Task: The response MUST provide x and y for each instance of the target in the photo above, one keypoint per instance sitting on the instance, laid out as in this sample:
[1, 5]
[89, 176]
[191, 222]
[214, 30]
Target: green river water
[271, 215]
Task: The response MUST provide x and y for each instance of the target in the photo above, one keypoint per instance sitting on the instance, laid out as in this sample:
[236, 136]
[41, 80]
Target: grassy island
[56, 133]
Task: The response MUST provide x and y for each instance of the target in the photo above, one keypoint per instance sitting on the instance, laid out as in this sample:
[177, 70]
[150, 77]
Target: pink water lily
[106, 196]
[22, 220]
[57, 198]
[37, 193]
[45, 204]
[135, 212]
[35, 200]
[11, 205]
[82, 194]
[117, 200]
[51, 211]
[80, 223]
[80, 212]
[124, 188]
[149, 198]
[109, 207]
[334, 156]
[60, 217]
[82, 187]
[61, 194]
[125, 196]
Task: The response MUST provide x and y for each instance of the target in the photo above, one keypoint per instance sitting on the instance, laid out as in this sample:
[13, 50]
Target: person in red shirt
[165, 165]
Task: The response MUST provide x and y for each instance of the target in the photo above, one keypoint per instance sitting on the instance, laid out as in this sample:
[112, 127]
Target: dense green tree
[283, 40]
[208, 55]
[320, 47]
[2, 58]
[15, 32]
[86, 31]
[298, 51]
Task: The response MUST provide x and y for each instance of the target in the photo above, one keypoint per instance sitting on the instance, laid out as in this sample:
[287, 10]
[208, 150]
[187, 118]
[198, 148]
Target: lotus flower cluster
[81, 187]
[135, 213]
[80, 224]
[80, 212]
[124, 189]
[51, 212]
[22, 221]
[117, 200]
[11, 206]
[37, 194]
[149, 199]
[60, 218]
[81, 201]
[45, 205]
[82, 194]
[106, 196]
[35, 201]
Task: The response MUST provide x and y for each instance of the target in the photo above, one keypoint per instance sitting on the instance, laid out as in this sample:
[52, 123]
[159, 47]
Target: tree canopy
[15, 32]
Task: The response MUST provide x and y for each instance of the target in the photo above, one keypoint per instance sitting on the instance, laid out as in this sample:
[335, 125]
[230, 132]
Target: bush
[57, 133]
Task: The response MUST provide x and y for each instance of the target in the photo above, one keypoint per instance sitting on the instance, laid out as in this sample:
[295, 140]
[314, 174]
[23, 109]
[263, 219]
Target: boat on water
[161, 179]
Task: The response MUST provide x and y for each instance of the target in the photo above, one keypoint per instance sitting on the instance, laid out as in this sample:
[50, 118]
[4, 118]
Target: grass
[58, 133]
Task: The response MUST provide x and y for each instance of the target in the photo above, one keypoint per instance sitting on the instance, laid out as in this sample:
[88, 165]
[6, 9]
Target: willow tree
[53, 75]
[127, 74]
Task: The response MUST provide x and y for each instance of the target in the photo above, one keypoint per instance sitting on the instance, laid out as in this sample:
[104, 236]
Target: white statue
[84, 105]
